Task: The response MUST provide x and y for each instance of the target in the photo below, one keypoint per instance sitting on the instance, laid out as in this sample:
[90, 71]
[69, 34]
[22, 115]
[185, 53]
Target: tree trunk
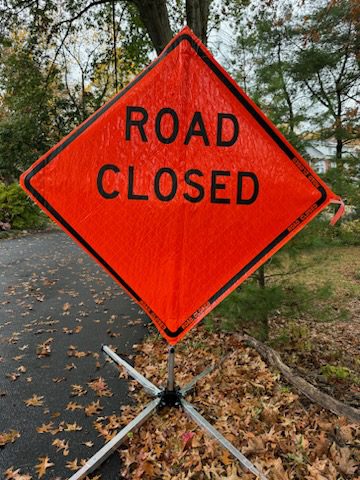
[197, 14]
[285, 90]
[261, 276]
[155, 18]
[339, 130]
[304, 387]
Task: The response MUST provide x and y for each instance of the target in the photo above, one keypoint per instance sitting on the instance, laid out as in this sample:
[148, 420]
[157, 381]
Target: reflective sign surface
[179, 187]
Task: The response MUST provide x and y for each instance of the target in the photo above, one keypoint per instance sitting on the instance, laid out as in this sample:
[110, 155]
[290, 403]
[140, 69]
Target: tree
[27, 109]
[264, 43]
[327, 64]
[160, 18]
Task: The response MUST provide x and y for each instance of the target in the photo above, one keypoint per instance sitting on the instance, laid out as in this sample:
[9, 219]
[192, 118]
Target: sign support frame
[171, 396]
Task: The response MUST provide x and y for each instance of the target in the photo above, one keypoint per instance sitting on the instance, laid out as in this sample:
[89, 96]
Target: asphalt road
[57, 307]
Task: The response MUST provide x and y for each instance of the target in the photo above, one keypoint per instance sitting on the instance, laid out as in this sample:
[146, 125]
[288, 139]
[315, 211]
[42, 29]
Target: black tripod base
[170, 398]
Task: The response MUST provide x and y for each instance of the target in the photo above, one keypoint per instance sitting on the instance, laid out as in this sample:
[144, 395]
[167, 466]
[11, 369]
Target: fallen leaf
[43, 466]
[11, 474]
[45, 427]
[34, 401]
[73, 465]
[66, 307]
[44, 349]
[61, 445]
[72, 427]
[100, 387]
[72, 406]
[78, 391]
[88, 444]
[93, 408]
[8, 437]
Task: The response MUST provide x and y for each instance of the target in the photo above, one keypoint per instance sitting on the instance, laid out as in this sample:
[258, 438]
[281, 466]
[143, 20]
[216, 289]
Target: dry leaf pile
[286, 437]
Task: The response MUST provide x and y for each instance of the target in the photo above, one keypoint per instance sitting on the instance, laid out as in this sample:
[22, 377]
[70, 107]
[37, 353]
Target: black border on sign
[250, 108]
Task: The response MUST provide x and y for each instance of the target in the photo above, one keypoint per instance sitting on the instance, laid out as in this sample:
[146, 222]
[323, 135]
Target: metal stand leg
[205, 425]
[148, 386]
[100, 457]
[169, 397]
[189, 386]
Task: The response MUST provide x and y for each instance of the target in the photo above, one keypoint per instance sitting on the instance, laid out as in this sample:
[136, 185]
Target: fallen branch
[304, 387]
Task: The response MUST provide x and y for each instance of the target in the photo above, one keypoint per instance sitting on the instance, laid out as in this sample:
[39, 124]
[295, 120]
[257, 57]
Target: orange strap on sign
[340, 211]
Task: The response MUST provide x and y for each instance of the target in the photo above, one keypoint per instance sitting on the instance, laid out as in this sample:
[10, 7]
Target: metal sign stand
[171, 396]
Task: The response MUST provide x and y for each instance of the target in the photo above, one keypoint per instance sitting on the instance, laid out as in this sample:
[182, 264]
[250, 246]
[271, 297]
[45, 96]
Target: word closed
[214, 186]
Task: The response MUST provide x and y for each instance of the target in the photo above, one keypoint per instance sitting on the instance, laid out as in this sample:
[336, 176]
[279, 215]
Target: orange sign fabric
[179, 186]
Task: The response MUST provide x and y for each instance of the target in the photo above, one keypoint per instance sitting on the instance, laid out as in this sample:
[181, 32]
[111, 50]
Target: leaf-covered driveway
[57, 308]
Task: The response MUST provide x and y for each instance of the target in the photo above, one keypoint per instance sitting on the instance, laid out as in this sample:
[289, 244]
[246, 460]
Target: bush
[334, 372]
[17, 211]
[319, 233]
[249, 307]
[350, 232]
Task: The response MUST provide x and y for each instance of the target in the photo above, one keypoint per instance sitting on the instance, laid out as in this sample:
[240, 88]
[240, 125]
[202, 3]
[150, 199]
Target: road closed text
[194, 185]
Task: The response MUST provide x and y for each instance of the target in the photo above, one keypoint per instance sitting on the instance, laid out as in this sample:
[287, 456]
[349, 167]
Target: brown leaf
[93, 408]
[34, 401]
[72, 427]
[343, 459]
[100, 387]
[11, 474]
[8, 437]
[43, 466]
[72, 406]
[45, 427]
[66, 307]
[88, 444]
[44, 349]
[78, 391]
[61, 445]
[73, 465]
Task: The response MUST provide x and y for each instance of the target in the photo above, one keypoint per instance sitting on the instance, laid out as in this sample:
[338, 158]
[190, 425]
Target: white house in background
[322, 153]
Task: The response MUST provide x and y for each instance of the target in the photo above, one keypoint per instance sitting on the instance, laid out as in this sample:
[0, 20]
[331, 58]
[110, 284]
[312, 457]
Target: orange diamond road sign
[179, 186]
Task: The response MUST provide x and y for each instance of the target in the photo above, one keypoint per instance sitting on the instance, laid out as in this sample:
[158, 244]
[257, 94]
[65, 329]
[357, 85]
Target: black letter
[136, 123]
[218, 186]
[243, 201]
[226, 143]
[100, 176]
[200, 132]
[159, 116]
[131, 194]
[165, 198]
[198, 187]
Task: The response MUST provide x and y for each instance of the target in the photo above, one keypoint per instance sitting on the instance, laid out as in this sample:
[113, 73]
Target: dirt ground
[328, 350]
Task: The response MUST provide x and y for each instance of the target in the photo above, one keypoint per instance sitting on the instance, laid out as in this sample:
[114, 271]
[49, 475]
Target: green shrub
[249, 307]
[17, 210]
[350, 232]
[319, 233]
[333, 372]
